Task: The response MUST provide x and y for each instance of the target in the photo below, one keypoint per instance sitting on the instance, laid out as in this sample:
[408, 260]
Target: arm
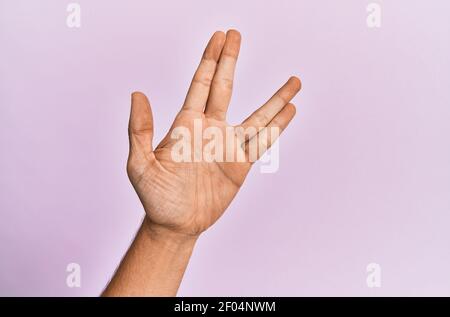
[183, 198]
[154, 265]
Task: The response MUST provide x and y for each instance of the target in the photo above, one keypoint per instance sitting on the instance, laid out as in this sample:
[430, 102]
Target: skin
[183, 199]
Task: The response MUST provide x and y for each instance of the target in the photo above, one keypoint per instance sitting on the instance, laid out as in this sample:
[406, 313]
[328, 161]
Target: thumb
[140, 127]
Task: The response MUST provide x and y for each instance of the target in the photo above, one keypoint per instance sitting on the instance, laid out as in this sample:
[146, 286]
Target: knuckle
[202, 80]
[224, 82]
[262, 119]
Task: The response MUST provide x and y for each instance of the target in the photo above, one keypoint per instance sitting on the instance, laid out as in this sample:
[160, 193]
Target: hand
[182, 199]
[187, 197]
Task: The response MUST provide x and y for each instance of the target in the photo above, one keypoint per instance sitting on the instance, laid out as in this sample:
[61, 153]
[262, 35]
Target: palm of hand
[188, 197]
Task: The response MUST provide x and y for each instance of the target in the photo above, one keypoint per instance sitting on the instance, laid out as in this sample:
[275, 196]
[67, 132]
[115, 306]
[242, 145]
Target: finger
[262, 116]
[267, 136]
[140, 127]
[222, 83]
[199, 90]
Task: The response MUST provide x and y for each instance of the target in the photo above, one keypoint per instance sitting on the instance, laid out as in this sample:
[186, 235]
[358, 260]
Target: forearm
[154, 264]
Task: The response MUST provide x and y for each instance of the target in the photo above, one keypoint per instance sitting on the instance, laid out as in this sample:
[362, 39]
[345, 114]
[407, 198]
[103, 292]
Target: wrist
[167, 237]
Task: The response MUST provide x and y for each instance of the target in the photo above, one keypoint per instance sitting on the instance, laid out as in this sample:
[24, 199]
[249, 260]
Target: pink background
[365, 165]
